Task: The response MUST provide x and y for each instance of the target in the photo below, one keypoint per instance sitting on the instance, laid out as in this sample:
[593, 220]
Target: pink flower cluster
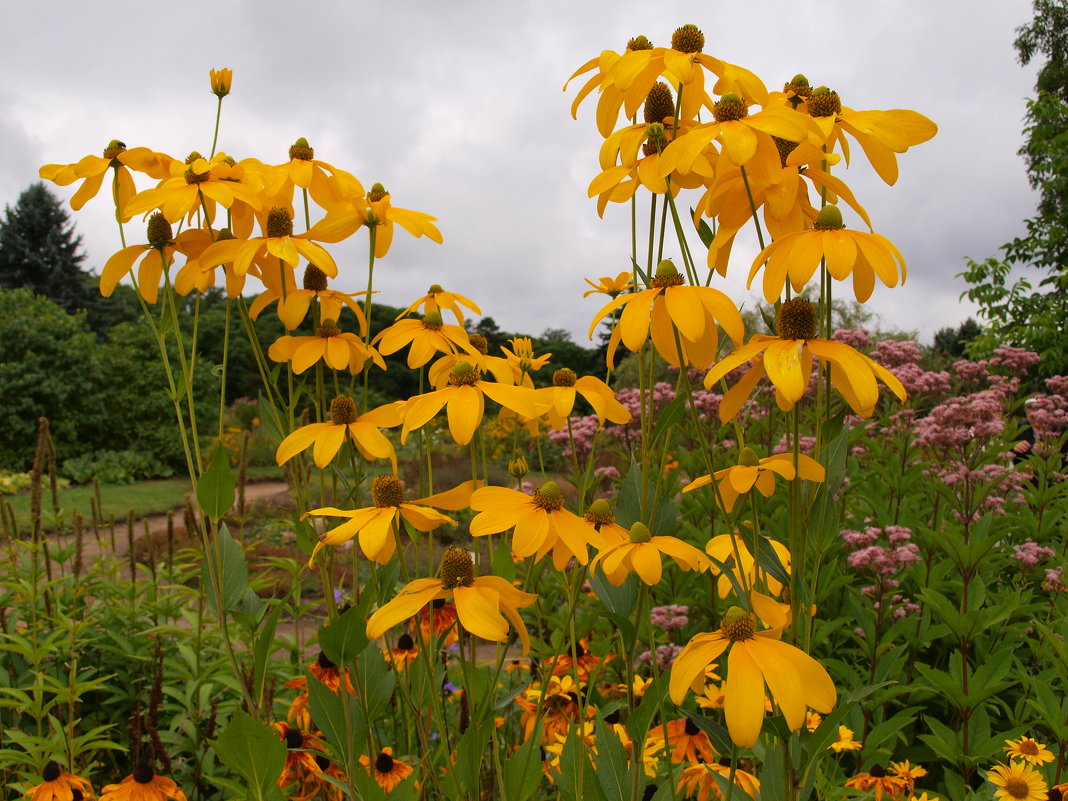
[859, 338]
[669, 618]
[1048, 413]
[891, 353]
[961, 424]
[1030, 553]
[665, 655]
[882, 560]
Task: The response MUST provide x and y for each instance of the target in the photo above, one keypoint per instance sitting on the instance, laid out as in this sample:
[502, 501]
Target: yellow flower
[374, 210]
[1017, 781]
[796, 680]
[438, 298]
[641, 553]
[340, 350]
[58, 785]
[879, 782]
[881, 134]
[278, 241]
[363, 431]
[388, 772]
[845, 741]
[738, 134]
[797, 255]
[787, 361]
[750, 471]
[540, 521]
[142, 785]
[426, 337]
[377, 524]
[91, 170]
[522, 359]
[567, 386]
[197, 184]
[465, 403]
[903, 770]
[155, 257]
[196, 275]
[294, 303]
[666, 306]
[220, 81]
[1028, 750]
[722, 548]
[482, 602]
[607, 285]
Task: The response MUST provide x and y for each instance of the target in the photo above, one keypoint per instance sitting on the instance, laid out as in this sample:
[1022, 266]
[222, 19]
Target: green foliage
[115, 467]
[39, 250]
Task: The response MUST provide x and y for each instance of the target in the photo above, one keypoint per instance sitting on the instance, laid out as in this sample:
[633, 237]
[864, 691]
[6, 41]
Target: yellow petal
[743, 701]
[409, 600]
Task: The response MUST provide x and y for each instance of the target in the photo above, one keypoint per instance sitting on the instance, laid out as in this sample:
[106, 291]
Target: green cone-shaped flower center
[600, 513]
[114, 148]
[639, 532]
[666, 275]
[434, 289]
[328, 329]
[748, 457]
[730, 107]
[377, 193]
[464, 374]
[549, 497]
[432, 320]
[639, 42]
[830, 218]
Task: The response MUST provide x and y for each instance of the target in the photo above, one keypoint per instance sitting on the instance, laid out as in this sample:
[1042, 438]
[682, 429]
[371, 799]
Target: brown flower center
[688, 39]
[1029, 747]
[659, 103]
[824, 102]
[51, 771]
[639, 43]
[328, 329]
[387, 490]
[194, 177]
[114, 148]
[1017, 787]
[600, 513]
[279, 222]
[301, 150]
[564, 377]
[143, 773]
[314, 279]
[737, 624]
[384, 763]
[666, 275]
[464, 374]
[730, 107]
[457, 569]
[342, 410]
[796, 320]
[377, 193]
[159, 231]
[479, 343]
[785, 148]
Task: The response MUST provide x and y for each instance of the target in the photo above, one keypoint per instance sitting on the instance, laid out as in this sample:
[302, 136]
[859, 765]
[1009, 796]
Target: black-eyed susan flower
[437, 618]
[879, 782]
[438, 298]
[363, 431]
[752, 471]
[301, 748]
[844, 741]
[567, 386]
[374, 210]
[221, 80]
[388, 771]
[198, 184]
[299, 712]
[756, 657]
[796, 257]
[667, 306]
[485, 605]
[402, 654]
[607, 285]
[540, 521]
[329, 674]
[699, 781]
[464, 401]
[559, 700]
[907, 772]
[685, 741]
[787, 361]
[882, 134]
[1028, 750]
[376, 524]
[143, 785]
[91, 170]
[582, 663]
[58, 785]
[424, 337]
[340, 350]
[641, 553]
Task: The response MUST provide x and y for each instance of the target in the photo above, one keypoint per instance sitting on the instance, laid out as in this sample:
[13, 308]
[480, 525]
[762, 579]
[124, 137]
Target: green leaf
[470, 750]
[329, 715]
[215, 489]
[619, 600]
[264, 644]
[772, 786]
[639, 721]
[629, 503]
[343, 639]
[611, 761]
[378, 680]
[704, 230]
[254, 751]
[716, 731]
[669, 416]
[231, 570]
[522, 770]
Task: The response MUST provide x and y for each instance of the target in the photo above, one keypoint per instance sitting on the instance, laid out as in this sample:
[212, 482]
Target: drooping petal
[409, 600]
[690, 664]
[743, 702]
[479, 611]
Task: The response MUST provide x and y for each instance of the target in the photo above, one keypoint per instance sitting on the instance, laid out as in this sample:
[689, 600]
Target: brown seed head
[564, 377]
[730, 107]
[464, 374]
[479, 343]
[301, 150]
[159, 231]
[639, 43]
[457, 569]
[737, 624]
[328, 329]
[387, 490]
[549, 497]
[342, 410]
[785, 148]
[314, 279]
[823, 102]
[279, 222]
[688, 39]
[600, 513]
[659, 103]
[796, 320]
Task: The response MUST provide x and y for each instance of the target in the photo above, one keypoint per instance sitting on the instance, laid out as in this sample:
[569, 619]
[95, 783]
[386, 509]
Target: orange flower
[388, 772]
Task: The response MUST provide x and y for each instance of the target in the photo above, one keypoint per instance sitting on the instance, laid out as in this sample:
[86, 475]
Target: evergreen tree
[39, 250]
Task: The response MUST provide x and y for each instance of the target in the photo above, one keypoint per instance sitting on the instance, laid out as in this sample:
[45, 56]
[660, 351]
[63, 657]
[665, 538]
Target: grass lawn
[144, 497]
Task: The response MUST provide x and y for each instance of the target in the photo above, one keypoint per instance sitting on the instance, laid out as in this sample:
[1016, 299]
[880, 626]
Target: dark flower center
[549, 497]
[294, 739]
[302, 150]
[796, 320]
[737, 624]
[342, 410]
[314, 278]
[730, 107]
[457, 569]
[824, 102]
[387, 490]
[878, 771]
[405, 642]
[324, 662]
[464, 374]
[688, 39]
[143, 773]
[564, 377]
[279, 222]
[159, 231]
[639, 43]
[384, 763]
[51, 771]
[659, 103]
[691, 727]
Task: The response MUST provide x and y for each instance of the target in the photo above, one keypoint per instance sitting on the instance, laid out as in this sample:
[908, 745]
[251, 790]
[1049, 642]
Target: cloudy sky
[457, 109]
